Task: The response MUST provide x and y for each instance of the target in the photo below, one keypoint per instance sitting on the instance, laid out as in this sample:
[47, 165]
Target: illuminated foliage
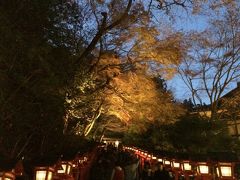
[66, 66]
[230, 111]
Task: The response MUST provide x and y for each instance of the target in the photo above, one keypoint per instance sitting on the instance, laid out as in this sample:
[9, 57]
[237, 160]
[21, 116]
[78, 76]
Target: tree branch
[102, 30]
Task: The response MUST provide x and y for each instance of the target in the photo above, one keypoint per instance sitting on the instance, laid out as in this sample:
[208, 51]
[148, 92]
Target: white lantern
[66, 167]
[116, 143]
[175, 164]
[44, 173]
[166, 162]
[203, 168]
[225, 170]
[154, 157]
[186, 166]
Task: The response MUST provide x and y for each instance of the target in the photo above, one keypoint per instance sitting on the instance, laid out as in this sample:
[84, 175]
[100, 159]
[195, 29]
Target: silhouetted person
[160, 173]
[147, 172]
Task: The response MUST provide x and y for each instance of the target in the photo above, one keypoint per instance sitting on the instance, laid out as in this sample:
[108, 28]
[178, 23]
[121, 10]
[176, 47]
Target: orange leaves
[135, 98]
[220, 3]
[131, 96]
[151, 48]
[231, 103]
[108, 66]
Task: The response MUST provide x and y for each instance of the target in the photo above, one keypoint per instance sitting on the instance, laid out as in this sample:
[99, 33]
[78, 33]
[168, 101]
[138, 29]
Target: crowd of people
[155, 171]
[117, 164]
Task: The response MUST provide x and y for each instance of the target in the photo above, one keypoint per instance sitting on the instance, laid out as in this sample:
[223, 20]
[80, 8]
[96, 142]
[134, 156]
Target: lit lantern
[186, 166]
[225, 170]
[167, 164]
[116, 143]
[187, 169]
[154, 157]
[7, 175]
[175, 164]
[203, 168]
[160, 160]
[176, 168]
[44, 173]
[148, 157]
[66, 168]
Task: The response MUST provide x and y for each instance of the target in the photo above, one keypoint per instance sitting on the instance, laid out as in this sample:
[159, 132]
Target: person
[160, 173]
[157, 174]
[146, 172]
[131, 170]
[118, 173]
[105, 165]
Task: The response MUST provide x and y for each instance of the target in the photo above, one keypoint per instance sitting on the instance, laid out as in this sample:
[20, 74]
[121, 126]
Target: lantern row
[77, 167]
[188, 168]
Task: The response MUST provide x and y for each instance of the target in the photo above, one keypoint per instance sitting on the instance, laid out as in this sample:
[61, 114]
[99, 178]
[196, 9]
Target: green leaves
[34, 74]
[194, 134]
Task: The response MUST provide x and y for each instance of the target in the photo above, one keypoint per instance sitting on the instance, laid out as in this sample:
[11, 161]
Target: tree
[130, 40]
[230, 107]
[50, 52]
[188, 104]
[124, 100]
[194, 134]
[152, 133]
[212, 64]
[130, 37]
[132, 96]
[34, 72]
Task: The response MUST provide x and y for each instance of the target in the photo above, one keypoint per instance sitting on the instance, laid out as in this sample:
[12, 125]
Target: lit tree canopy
[56, 77]
[137, 93]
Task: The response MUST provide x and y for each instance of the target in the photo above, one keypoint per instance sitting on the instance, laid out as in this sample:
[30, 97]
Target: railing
[76, 169]
[179, 168]
[191, 168]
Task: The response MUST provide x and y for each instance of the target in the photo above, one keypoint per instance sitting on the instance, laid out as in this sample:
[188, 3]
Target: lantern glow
[203, 169]
[176, 164]
[66, 167]
[154, 157]
[226, 171]
[166, 162]
[116, 143]
[41, 175]
[187, 166]
[7, 176]
[63, 170]
[44, 173]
